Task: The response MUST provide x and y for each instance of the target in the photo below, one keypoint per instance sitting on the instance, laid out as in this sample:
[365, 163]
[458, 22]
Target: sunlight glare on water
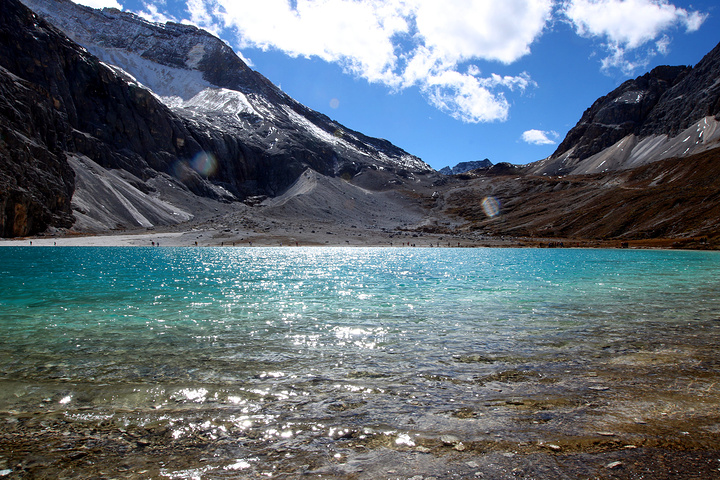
[295, 344]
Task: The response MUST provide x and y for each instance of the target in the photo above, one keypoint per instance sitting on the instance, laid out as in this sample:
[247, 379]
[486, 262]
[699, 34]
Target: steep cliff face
[670, 111]
[57, 100]
[36, 182]
[695, 96]
[620, 113]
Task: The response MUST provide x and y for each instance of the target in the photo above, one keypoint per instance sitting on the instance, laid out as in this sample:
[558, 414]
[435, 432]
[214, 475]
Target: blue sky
[457, 80]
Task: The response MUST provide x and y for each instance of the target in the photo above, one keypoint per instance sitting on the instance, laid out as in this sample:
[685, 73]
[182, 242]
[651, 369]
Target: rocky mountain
[668, 112]
[463, 167]
[142, 118]
[36, 181]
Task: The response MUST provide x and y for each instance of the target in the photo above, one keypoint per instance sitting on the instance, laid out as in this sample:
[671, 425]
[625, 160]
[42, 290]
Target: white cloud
[465, 98]
[152, 14]
[465, 29]
[423, 43]
[202, 16]
[436, 46]
[100, 3]
[540, 137]
[662, 45]
[627, 25]
[471, 99]
[356, 34]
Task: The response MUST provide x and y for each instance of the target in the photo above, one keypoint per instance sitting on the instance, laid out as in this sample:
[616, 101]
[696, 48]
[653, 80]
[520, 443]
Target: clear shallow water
[310, 349]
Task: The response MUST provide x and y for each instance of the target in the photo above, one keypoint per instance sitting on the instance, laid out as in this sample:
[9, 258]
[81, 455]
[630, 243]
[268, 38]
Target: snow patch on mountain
[168, 83]
[633, 96]
[409, 162]
[123, 40]
[331, 138]
[221, 100]
[338, 138]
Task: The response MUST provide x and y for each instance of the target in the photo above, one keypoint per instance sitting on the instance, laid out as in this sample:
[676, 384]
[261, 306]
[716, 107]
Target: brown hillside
[674, 198]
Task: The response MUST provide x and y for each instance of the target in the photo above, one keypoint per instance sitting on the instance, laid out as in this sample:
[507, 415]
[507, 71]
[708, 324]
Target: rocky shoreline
[331, 236]
[34, 446]
[614, 422]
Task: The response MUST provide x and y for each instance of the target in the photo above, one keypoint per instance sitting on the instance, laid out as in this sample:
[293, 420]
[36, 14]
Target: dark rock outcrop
[620, 113]
[36, 182]
[694, 96]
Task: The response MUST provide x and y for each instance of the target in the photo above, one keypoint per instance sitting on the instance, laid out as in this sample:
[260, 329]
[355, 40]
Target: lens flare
[491, 206]
[204, 163]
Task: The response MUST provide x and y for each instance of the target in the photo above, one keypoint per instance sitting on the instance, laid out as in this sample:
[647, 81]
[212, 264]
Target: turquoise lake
[345, 362]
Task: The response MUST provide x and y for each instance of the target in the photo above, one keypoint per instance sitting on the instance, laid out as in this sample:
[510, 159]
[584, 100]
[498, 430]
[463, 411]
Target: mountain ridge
[463, 167]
